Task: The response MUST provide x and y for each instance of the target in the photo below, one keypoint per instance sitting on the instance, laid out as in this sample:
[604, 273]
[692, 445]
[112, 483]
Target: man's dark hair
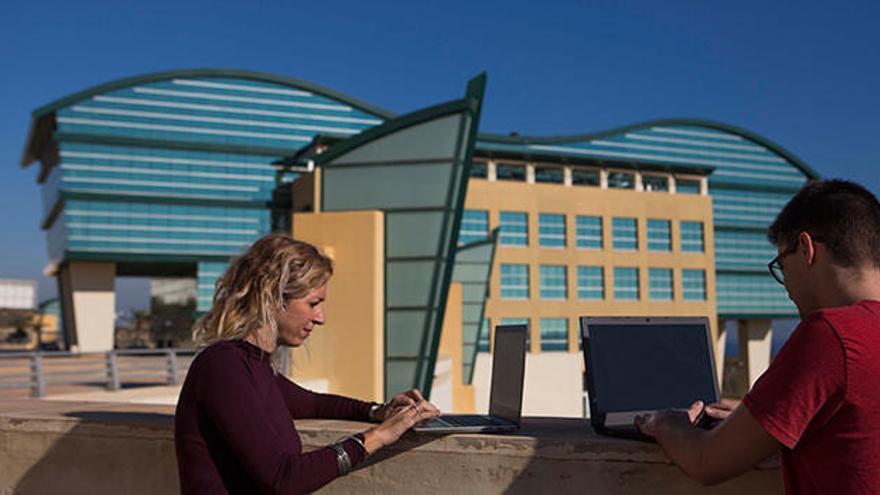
[842, 215]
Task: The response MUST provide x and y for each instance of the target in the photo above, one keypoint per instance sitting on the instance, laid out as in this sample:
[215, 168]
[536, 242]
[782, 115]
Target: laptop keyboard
[469, 420]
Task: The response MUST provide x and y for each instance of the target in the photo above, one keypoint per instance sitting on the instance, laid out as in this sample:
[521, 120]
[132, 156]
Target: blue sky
[804, 74]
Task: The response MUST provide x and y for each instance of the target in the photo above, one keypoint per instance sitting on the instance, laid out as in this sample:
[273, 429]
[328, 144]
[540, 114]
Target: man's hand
[722, 408]
[655, 423]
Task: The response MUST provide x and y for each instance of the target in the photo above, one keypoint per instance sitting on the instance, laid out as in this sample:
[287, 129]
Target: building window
[625, 234]
[510, 171]
[591, 283]
[521, 321]
[474, 226]
[692, 237]
[514, 228]
[588, 232]
[621, 180]
[585, 177]
[514, 281]
[687, 186]
[551, 230]
[626, 284]
[483, 340]
[552, 175]
[660, 284]
[553, 282]
[655, 183]
[554, 334]
[659, 235]
[479, 170]
[693, 284]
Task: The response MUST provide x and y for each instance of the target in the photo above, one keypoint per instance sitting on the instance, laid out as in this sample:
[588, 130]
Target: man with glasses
[819, 402]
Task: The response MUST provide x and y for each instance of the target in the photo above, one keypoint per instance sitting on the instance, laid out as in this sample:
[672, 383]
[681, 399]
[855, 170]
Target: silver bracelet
[359, 442]
[343, 461]
[373, 410]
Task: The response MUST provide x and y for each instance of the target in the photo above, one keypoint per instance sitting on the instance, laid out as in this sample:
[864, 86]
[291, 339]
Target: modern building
[171, 174]
[18, 294]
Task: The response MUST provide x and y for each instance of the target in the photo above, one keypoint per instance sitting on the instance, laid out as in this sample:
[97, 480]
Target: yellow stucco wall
[451, 347]
[496, 196]
[348, 350]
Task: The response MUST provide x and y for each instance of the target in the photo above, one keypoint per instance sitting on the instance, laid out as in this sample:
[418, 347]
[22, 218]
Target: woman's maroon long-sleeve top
[233, 429]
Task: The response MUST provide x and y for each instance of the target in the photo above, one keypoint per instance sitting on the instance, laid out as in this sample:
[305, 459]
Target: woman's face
[299, 317]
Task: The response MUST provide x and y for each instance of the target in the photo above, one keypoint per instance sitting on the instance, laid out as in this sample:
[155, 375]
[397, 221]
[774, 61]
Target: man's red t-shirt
[821, 399]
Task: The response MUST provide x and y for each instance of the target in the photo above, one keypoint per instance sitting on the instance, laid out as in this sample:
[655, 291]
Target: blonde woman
[234, 429]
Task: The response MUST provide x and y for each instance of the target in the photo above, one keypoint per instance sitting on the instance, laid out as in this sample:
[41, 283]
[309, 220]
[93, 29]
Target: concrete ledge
[94, 448]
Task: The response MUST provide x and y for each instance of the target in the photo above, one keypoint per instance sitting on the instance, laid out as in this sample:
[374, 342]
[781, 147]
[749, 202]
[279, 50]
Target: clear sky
[804, 74]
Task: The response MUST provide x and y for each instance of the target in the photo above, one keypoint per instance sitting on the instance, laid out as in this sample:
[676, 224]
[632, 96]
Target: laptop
[637, 365]
[505, 398]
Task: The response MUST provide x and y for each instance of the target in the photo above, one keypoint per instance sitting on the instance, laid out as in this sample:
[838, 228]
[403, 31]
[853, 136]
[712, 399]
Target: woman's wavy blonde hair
[257, 285]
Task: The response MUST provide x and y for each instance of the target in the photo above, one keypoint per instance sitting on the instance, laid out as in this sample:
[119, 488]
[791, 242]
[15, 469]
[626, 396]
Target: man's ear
[807, 247]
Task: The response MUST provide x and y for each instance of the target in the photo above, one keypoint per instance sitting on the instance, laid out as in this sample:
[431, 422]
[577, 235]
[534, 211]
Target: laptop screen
[508, 372]
[640, 364]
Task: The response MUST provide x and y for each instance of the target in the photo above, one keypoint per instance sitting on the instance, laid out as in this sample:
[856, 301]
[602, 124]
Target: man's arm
[710, 456]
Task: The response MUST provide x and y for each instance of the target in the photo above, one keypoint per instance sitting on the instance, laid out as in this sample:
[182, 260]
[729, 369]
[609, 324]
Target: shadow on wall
[571, 458]
[109, 453]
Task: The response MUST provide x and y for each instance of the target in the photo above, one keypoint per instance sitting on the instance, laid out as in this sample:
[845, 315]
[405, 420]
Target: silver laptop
[636, 365]
[505, 399]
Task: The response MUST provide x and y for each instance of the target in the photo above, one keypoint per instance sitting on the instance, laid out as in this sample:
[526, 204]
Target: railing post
[112, 371]
[38, 387]
[172, 368]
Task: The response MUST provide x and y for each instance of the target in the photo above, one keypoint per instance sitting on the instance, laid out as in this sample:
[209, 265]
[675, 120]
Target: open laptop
[505, 398]
[636, 365]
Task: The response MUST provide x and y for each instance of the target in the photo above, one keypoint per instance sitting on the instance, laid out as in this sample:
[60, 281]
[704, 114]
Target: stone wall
[93, 448]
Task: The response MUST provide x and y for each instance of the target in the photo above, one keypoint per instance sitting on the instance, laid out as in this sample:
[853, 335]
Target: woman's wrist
[373, 440]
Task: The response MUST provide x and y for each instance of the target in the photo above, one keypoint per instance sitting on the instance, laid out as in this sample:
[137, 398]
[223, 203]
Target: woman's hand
[399, 402]
[400, 418]
[722, 408]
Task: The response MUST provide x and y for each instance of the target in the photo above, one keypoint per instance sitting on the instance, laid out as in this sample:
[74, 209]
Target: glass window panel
[624, 233]
[621, 180]
[585, 177]
[659, 235]
[687, 186]
[514, 281]
[383, 187]
[693, 284]
[551, 230]
[479, 170]
[591, 283]
[588, 232]
[408, 283]
[553, 175]
[430, 140]
[413, 233]
[400, 376]
[554, 334]
[510, 171]
[553, 282]
[404, 334]
[655, 183]
[474, 226]
[692, 237]
[514, 228]
[483, 342]
[660, 284]
[626, 284]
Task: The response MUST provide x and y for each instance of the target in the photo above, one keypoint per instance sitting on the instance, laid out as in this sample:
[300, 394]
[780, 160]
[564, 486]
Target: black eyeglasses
[776, 268]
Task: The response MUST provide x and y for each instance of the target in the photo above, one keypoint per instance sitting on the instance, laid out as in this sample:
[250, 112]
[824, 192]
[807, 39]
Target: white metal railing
[38, 370]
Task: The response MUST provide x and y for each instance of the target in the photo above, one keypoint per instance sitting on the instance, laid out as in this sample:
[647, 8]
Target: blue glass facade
[177, 167]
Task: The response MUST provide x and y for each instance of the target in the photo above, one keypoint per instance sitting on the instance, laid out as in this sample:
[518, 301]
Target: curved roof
[708, 124]
[208, 72]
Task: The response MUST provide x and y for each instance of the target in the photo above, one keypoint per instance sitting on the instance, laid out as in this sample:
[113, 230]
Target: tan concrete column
[720, 349]
[755, 337]
[88, 300]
